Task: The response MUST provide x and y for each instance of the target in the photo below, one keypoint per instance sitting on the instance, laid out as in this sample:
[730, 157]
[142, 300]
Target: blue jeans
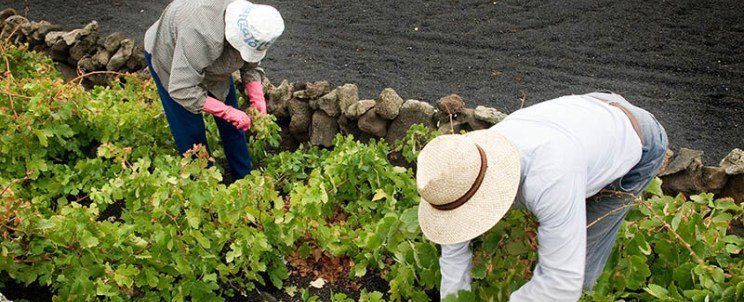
[188, 128]
[601, 236]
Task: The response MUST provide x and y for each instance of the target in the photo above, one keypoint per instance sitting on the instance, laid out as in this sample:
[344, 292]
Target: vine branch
[638, 200]
[82, 76]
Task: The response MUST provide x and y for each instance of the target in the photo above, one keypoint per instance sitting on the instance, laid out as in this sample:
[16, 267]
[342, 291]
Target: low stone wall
[79, 51]
[686, 174]
[316, 112]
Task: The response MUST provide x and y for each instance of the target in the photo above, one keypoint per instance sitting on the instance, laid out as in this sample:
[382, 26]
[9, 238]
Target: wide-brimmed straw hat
[467, 183]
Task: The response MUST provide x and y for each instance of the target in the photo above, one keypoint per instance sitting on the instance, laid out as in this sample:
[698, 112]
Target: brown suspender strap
[469, 194]
[631, 117]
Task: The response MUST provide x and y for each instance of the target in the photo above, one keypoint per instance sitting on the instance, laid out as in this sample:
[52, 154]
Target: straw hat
[461, 198]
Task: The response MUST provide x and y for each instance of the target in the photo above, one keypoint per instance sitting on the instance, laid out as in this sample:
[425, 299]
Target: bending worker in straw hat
[192, 51]
[549, 158]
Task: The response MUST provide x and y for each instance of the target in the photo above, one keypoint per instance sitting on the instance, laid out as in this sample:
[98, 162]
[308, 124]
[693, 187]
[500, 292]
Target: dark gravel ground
[683, 60]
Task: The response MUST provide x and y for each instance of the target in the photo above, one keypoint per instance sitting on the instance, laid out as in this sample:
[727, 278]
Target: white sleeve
[559, 205]
[455, 264]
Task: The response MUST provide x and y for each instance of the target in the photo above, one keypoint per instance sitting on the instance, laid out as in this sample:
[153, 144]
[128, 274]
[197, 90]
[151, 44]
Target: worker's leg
[233, 140]
[604, 215]
[606, 211]
[187, 128]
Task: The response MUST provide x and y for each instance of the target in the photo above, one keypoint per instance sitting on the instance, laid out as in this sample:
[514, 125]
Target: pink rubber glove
[255, 93]
[234, 116]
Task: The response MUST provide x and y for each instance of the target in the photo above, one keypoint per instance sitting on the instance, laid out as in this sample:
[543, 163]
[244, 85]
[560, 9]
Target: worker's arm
[559, 205]
[251, 74]
[455, 264]
[193, 52]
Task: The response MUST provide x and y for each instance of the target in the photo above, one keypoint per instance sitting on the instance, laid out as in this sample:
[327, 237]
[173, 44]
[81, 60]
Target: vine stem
[9, 75]
[12, 33]
[522, 99]
[452, 124]
[608, 214]
[666, 225]
[82, 76]
[45, 258]
[11, 183]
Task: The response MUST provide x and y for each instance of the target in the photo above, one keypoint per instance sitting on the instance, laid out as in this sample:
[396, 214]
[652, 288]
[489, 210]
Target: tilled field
[682, 60]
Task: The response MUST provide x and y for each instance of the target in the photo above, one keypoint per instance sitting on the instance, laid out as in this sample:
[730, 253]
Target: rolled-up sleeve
[193, 52]
[560, 209]
[251, 72]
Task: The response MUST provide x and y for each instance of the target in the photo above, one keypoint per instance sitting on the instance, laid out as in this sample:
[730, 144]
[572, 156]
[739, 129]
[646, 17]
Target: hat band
[474, 189]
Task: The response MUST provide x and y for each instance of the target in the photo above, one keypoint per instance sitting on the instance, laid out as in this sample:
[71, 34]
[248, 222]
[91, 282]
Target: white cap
[252, 28]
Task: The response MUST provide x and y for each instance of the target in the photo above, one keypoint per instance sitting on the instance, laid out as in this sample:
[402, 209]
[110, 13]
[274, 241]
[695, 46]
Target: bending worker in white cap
[570, 161]
[192, 51]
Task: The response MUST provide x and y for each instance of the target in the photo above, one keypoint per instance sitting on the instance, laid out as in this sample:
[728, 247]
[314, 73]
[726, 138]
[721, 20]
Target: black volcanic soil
[683, 60]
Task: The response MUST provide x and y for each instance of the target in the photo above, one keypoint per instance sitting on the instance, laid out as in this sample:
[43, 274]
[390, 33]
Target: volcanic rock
[328, 103]
[489, 115]
[121, 56]
[84, 47]
[76, 35]
[734, 188]
[373, 124]
[348, 94]
[685, 158]
[300, 116]
[6, 13]
[468, 116]
[714, 178]
[53, 38]
[323, 130]
[137, 59]
[281, 93]
[389, 103]
[685, 173]
[36, 31]
[87, 63]
[313, 90]
[12, 26]
[451, 104]
[101, 58]
[113, 41]
[278, 100]
[359, 108]
[412, 112]
[733, 163]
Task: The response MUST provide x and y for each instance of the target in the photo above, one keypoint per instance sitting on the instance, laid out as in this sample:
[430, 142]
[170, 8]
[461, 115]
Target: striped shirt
[191, 55]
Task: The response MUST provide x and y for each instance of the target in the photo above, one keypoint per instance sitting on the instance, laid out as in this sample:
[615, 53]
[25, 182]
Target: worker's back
[575, 132]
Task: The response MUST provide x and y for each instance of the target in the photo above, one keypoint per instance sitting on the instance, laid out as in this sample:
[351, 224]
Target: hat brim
[489, 204]
[251, 55]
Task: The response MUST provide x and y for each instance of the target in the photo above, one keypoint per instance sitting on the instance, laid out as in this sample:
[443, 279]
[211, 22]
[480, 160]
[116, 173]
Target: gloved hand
[255, 93]
[234, 116]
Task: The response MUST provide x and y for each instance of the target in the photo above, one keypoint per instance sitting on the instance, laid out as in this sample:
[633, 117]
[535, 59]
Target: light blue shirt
[570, 148]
